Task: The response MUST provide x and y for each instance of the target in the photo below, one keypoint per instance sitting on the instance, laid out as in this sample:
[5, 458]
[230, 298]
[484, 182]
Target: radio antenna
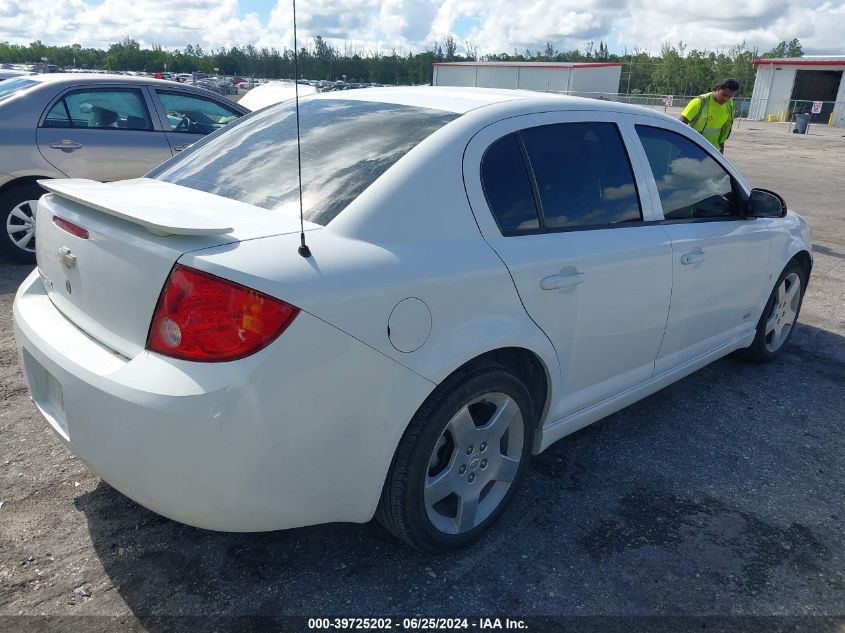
[303, 247]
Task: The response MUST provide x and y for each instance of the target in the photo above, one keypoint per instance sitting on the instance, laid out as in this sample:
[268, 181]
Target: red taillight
[202, 317]
[70, 227]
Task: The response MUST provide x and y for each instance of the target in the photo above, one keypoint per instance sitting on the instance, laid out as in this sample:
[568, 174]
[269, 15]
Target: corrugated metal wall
[597, 80]
[454, 75]
[603, 80]
[839, 110]
[554, 79]
[781, 91]
[760, 96]
[497, 77]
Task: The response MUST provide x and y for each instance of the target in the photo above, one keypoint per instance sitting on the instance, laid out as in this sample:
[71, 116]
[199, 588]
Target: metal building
[587, 79]
[788, 85]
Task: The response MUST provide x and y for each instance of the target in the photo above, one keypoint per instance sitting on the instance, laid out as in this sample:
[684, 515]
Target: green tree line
[674, 70]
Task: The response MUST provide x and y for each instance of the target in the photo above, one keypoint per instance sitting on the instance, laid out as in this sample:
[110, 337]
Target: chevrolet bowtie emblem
[67, 258]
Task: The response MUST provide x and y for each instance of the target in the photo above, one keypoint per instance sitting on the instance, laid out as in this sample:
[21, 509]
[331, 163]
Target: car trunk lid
[108, 283]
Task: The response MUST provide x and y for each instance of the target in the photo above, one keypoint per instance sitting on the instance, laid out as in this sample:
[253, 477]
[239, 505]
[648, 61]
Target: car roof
[83, 78]
[461, 100]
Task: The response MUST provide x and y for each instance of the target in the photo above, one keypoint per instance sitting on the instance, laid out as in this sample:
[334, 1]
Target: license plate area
[46, 394]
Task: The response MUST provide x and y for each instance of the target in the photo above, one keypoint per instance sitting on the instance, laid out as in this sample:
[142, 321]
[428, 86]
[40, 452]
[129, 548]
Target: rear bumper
[300, 433]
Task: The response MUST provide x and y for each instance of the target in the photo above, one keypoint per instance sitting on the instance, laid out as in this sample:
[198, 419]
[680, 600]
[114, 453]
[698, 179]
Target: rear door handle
[695, 257]
[554, 282]
[66, 144]
[179, 148]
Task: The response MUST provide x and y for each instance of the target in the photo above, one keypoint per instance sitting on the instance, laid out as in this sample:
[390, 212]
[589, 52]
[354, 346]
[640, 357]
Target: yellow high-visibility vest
[711, 119]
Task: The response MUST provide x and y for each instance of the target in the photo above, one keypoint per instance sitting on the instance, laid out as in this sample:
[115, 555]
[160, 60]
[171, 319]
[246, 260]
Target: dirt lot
[723, 494]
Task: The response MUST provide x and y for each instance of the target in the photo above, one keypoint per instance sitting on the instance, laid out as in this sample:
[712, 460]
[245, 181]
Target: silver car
[91, 126]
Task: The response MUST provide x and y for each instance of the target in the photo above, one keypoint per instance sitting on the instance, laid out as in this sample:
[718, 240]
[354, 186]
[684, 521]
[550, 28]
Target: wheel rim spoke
[25, 240]
[502, 419]
[772, 323]
[467, 512]
[792, 293]
[439, 487]
[508, 467]
[19, 228]
[782, 291]
[19, 213]
[462, 426]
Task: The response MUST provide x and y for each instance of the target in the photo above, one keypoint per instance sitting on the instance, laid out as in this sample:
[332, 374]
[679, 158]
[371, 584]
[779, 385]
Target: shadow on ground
[12, 275]
[721, 494]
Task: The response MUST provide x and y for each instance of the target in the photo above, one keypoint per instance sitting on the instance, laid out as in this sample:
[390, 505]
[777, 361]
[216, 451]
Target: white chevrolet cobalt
[489, 272]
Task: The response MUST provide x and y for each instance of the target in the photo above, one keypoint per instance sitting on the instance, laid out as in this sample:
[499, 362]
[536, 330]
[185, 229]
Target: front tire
[780, 315]
[460, 459]
[17, 215]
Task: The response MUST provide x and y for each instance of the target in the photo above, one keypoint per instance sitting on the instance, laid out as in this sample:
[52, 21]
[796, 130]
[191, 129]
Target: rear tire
[460, 459]
[776, 324]
[17, 218]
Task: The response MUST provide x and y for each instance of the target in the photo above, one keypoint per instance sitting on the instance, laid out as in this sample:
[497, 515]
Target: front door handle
[180, 148]
[694, 257]
[554, 282]
[66, 144]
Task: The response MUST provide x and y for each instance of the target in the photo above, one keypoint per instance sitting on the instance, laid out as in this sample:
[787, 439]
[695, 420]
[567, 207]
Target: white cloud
[489, 25]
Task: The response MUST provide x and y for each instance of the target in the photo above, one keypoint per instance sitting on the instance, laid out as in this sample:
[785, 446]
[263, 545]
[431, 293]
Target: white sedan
[489, 272]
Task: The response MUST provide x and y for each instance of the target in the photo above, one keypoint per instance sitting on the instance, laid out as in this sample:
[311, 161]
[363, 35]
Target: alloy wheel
[784, 312]
[474, 462]
[20, 225]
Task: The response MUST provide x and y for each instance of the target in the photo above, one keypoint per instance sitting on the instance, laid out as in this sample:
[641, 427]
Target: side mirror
[766, 204]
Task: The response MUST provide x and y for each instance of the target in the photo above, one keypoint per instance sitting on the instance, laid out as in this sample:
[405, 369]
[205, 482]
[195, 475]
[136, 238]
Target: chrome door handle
[695, 257]
[554, 282]
[66, 144]
[179, 148]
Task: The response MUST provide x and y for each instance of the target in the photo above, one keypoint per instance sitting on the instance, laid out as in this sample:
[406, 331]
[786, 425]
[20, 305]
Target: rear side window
[103, 109]
[346, 146]
[507, 187]
[583, 175]
[690, 182]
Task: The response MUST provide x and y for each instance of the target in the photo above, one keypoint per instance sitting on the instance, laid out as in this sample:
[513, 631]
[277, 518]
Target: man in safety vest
[712, 114]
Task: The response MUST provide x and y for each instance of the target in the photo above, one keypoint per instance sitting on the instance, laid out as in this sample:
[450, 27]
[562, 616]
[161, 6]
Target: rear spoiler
[160, 207]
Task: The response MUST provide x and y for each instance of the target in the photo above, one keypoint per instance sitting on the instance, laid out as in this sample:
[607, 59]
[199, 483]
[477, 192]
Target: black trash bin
[802, 120]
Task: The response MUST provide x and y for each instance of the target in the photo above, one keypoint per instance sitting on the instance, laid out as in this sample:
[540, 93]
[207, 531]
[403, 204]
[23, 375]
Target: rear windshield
[346, 145]
[10, 86]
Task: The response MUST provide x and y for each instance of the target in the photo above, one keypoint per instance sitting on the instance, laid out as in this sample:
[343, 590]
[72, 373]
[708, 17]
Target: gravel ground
[720, 495]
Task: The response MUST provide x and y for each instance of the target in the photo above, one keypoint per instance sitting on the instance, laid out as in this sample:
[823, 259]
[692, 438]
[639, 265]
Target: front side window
[507, 187]
[346, 146]
[583, 175]
[691, 183]
[195, 115]
[103, 109]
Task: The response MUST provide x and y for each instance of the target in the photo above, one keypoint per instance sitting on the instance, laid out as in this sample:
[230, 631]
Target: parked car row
[91, 126]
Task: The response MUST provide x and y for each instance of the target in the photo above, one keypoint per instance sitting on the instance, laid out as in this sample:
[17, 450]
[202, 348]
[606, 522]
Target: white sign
[669, 99]
[817, 107]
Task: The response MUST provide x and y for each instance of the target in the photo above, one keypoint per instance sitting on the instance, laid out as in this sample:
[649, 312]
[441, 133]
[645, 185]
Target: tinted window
[583, 174]
[104, 109]
[346, 145]
[508, 187]
[690, 182]
[194, 114]
[57, 116]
